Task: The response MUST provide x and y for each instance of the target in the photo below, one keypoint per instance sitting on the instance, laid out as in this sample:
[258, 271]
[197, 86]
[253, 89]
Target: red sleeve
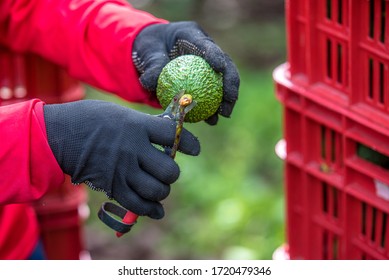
[27, 164]
[92, 39]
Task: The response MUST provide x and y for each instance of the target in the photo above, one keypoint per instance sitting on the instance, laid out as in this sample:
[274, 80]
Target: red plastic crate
[343, 45]
[27, 76]
[335, 92]
[61, 214]
[336, 182]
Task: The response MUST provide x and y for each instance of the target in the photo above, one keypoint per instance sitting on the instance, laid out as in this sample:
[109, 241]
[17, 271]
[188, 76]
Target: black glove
[157, 44]
[110, 147]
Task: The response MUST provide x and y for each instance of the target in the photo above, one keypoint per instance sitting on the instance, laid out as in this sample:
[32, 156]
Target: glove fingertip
[226, 108]
[212, 120]
[157, 213]
[189, 144]
[195, 147]
[231, 81]
[149, 81]
[215, 57]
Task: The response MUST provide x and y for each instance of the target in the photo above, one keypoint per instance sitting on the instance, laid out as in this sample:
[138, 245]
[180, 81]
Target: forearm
[26, 161]
[92, 39]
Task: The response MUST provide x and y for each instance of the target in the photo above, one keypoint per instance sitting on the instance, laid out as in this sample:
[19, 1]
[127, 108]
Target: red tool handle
[129, 218]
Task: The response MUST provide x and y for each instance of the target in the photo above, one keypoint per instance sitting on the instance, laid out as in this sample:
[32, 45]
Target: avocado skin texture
[196, 77]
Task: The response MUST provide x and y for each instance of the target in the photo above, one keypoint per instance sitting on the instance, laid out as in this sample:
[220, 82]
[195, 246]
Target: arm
[106, 145]
[92, 39]
[27, 163]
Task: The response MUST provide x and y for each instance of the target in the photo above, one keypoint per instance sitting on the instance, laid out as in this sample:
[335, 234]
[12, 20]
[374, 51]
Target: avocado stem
[184, 101]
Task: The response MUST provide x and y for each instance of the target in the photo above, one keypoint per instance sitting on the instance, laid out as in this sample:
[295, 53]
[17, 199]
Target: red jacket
[92, 40]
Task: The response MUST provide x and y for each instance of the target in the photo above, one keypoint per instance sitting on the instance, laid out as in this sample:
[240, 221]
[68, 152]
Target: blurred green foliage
[228, 202]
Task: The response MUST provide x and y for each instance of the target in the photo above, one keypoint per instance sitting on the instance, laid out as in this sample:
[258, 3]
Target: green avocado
[196, 77]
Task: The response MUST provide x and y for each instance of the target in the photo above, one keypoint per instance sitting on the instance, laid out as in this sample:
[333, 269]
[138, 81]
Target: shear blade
[173, 108]
[190, 107]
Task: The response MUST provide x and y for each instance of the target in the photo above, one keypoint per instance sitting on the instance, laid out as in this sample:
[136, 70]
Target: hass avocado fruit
[195, 76]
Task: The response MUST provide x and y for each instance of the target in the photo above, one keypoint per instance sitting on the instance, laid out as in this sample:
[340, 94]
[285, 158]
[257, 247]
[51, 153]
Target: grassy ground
[228, 202]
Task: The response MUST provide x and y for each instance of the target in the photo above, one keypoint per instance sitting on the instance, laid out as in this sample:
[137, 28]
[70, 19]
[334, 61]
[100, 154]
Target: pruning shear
[109, 212]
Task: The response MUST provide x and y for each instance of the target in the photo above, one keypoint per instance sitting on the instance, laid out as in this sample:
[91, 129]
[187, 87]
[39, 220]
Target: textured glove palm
[110, 147]
[157, 44]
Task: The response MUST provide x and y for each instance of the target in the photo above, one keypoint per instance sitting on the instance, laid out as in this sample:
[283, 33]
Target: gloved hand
[157, 44]
[110, 147]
